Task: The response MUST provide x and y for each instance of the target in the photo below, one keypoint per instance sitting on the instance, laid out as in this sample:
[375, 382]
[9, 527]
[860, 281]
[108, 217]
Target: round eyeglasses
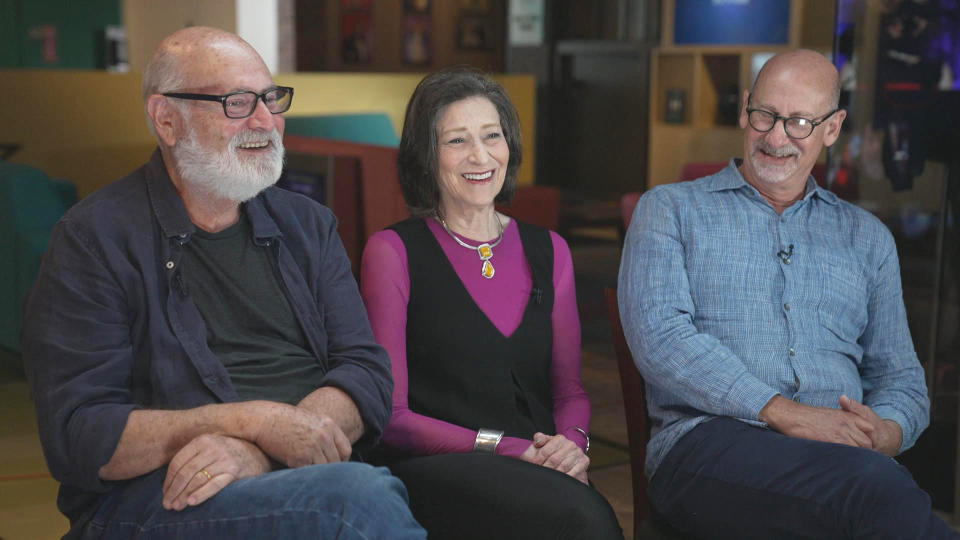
[242, 104]
[796, 127]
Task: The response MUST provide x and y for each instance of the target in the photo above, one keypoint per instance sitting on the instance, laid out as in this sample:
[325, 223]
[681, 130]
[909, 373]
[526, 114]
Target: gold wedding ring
[205, 473]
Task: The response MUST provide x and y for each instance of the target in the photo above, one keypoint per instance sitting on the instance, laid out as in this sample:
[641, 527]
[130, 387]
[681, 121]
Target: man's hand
[817, 423]
[886, 435]
[208, 464]
[297, 437]
[558, 453]
[292, 435]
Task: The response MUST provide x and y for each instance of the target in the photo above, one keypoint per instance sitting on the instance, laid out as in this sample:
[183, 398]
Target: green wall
[9, 42]
[77, 26]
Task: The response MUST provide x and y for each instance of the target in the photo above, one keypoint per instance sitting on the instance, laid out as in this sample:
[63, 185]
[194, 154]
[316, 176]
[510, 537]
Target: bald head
[182, 58]
[803, 65]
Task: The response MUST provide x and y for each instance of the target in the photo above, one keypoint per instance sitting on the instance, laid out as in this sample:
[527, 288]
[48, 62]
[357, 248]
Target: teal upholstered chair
[30, 205]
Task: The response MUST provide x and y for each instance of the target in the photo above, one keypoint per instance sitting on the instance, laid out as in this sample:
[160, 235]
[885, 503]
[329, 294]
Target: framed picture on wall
[363, 5]
[475, 32]
[417, 43]
[525, 22]
[416, 6]
[356, 37]
[476, 6]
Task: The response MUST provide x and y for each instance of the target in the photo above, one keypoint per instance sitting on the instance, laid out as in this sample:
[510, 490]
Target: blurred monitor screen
[731, 22]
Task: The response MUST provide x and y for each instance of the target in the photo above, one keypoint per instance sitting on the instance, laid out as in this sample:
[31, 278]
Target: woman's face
[472, 155]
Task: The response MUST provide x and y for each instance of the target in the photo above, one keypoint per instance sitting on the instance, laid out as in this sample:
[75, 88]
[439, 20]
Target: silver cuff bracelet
[487, 441]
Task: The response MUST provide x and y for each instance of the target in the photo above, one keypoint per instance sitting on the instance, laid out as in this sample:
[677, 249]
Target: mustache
[252, 136]
[784, 151]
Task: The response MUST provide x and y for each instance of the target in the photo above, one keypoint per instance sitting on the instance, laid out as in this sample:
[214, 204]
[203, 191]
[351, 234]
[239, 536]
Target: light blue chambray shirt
[718, 324]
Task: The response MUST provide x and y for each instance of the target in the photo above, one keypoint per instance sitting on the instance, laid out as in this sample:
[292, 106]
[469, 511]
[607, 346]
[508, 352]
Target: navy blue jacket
[110, 327]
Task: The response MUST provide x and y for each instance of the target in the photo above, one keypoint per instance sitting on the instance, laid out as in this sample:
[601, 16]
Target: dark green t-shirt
[250, 325]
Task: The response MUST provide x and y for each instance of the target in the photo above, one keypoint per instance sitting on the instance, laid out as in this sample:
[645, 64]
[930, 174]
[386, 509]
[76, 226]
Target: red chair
[635, 405]
[692, 171]
[536, 205]
[645, 524]
[366, 193]
[627, 204]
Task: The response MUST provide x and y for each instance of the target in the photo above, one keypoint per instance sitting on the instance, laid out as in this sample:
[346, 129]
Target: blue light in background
[739, 22]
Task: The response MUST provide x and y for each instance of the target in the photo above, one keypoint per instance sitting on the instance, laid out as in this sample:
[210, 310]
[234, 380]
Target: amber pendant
[487, 271]
[485, 251]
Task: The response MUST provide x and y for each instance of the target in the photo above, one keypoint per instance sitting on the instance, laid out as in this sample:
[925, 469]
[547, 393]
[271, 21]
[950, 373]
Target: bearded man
[767, 319]
[199, 355]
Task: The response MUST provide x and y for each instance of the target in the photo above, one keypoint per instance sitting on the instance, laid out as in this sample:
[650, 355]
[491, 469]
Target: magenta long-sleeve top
[385, 286]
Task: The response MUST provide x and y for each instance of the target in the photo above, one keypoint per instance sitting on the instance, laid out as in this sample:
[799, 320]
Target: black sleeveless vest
[461, 369]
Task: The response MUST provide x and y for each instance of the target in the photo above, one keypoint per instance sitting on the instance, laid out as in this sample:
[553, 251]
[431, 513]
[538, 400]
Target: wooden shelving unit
[708, 78]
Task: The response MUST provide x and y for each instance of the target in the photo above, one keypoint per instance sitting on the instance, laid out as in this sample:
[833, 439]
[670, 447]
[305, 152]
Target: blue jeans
[341, 500]
[728, 479]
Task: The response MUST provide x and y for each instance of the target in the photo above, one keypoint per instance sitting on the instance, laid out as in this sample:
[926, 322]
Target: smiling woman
[478, 313]
[472, 161]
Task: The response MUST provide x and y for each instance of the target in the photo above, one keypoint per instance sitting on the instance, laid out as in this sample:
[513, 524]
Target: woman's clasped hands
[558, 453]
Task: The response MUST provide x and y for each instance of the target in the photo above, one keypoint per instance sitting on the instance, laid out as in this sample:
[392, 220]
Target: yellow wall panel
[89, 126]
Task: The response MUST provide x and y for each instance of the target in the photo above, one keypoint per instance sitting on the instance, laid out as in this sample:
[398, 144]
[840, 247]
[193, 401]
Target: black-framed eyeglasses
[796, 127]
[242, 104]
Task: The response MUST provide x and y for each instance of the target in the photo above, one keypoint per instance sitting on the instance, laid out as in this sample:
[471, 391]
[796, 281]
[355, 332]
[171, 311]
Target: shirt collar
[165, 201]
[729, 178]
[261, 221]
[172, 214]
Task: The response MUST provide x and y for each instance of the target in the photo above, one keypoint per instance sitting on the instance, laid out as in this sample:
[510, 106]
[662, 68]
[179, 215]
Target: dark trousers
[728, 479]
[466, 496]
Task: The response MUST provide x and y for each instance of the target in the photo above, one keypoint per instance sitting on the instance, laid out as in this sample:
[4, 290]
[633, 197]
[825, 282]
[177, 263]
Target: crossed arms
[123, 384]
[232, 441]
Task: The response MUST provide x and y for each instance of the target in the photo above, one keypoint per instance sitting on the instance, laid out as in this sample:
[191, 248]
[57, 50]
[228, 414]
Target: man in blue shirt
[767, 318]
[198, 352]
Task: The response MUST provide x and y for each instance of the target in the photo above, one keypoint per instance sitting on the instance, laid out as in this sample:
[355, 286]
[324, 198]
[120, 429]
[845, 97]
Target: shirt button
[792, 352]
[169, 265]
[786, 307]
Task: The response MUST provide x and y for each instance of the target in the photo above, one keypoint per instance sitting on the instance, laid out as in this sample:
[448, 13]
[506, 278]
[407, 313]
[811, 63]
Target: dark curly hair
[417, 165]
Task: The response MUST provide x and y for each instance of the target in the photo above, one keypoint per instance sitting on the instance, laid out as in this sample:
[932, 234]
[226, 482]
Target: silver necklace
[485, 250]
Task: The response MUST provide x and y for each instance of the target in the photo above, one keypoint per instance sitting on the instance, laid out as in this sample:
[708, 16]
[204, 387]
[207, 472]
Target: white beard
[223, 174]
[774, 174]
